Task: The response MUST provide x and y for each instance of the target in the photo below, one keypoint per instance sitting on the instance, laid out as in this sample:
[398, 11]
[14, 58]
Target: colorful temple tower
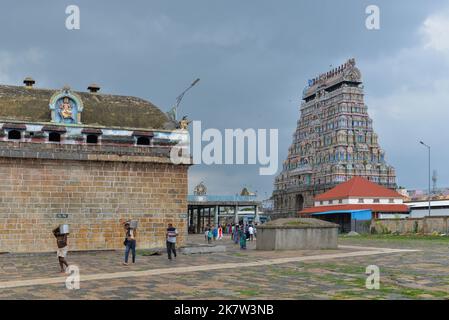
[333, 142]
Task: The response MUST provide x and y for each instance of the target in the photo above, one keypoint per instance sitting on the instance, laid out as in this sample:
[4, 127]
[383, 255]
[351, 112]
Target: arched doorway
[299, 202]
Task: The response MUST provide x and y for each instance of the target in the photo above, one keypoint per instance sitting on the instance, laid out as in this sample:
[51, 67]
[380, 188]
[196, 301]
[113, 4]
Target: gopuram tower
[334, 141]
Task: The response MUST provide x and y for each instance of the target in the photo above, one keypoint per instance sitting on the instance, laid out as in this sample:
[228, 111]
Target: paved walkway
[206, 267]
[238, 274]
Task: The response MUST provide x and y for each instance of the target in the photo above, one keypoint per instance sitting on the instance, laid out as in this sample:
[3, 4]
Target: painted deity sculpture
[65, 110]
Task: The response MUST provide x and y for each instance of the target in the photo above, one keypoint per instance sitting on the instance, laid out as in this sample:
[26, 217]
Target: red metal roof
[358, 187]
[373, 207]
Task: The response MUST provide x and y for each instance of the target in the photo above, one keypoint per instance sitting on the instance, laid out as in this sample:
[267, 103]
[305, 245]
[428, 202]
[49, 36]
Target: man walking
[130, 243]
[61, 242]
[171, 235]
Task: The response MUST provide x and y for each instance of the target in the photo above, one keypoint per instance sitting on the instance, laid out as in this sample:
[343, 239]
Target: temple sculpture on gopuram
[333, 142]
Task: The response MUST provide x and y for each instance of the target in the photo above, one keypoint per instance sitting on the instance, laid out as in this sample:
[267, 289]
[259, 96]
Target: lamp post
[428, 148]
[173, 113]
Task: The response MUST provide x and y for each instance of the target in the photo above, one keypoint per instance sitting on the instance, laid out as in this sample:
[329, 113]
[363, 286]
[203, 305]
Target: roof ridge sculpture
[350, 63]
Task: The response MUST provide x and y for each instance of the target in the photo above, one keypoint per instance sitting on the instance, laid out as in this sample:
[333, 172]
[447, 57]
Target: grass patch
[411, 293]
[349, 295]
[238, 254]
[289, 272]
[339, 268]
[397, 237]
[343, 280]
[249, 292]
[385, 291]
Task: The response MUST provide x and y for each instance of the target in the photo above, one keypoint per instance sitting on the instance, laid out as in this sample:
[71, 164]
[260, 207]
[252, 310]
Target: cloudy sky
[254, 59]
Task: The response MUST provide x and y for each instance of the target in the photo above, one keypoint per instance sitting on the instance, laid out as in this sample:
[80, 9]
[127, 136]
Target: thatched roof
[32, 105]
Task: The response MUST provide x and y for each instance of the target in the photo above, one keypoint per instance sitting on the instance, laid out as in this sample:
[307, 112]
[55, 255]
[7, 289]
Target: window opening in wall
[92, 138]
[54, 137]
[14, 135]
[143, 141]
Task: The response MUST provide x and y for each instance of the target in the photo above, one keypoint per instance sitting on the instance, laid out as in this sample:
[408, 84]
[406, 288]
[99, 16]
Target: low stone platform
[201, 249]
[297, 234]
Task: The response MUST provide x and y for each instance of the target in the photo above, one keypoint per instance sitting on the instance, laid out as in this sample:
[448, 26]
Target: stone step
[201, 249]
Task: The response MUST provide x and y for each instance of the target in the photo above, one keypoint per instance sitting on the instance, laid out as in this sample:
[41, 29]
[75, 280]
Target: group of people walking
[241, 233]
[213, 233]
[129, 243]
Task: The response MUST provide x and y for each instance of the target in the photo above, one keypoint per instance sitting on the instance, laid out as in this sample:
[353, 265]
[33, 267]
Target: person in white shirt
[251, 233]
[171, 235]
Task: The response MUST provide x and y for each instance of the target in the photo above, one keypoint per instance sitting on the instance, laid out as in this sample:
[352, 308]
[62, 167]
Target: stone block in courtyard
[297, 234]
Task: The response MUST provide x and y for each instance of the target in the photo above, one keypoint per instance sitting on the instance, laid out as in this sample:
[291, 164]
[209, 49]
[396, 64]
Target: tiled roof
[358, 187]
[373, 207]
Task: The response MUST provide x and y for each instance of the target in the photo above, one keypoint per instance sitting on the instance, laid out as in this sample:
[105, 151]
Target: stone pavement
[237, 274]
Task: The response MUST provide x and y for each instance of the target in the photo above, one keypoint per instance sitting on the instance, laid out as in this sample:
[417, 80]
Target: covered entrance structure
[208, 210]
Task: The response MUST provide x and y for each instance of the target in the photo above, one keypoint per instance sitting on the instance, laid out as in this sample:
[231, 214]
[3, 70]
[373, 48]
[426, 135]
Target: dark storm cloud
[253, 58]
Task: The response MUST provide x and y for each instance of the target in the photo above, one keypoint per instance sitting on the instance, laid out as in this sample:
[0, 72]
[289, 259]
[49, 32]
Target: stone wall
[288, 203]
[297, 234]
[297, 239]
[424, 225]
[36, 195]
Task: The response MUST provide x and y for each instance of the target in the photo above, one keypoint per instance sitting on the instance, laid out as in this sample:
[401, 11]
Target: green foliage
[366, 223]
[382, 228]
[249, 292]
[401, 237]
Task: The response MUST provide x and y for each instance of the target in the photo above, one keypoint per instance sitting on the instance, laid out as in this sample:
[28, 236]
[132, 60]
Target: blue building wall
[359, 221]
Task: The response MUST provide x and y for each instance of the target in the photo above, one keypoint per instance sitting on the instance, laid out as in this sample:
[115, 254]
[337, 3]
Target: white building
[419, 209]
